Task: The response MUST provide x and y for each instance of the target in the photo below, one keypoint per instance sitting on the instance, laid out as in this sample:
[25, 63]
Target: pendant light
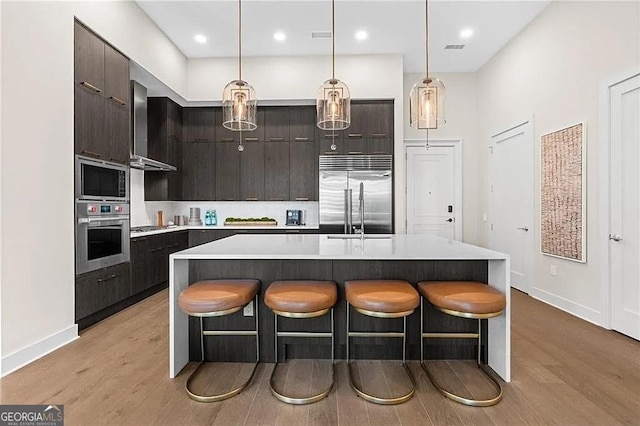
[239, 101]
[333, 103]
[426, 100]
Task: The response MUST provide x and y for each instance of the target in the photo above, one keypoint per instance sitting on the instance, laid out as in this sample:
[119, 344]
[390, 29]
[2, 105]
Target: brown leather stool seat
[206, 297]
[213, 298]
[301, 296]
[301, 299]
[467, 297]
[381, 299]
[382, 296]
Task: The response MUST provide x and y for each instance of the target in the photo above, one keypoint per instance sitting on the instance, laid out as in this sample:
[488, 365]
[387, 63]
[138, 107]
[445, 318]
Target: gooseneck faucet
[361, 198]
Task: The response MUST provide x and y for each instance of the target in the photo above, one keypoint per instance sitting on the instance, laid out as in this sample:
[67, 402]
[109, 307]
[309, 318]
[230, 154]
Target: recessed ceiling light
[362, 35]
[280, 36]
[466, 33]
[200, 38]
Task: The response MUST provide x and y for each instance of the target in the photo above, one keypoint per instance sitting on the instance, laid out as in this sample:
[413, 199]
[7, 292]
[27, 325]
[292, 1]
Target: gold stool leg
[452, 396]
[373, 398]
[219, 397]
[308, 399]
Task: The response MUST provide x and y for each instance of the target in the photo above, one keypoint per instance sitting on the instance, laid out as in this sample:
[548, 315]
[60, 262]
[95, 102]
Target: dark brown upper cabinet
[252, 165]
[199, 124]
[164, 126]
[302, 123]
[117, 87]
[303, 171]
[276, 124]
[102, 119]
[276, 171]
[379, 119]
[227, 172]
[89, 59]
[198, 171]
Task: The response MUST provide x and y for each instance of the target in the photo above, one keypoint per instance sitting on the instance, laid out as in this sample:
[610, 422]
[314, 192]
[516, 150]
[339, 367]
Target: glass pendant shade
[333, 105]
[426, 104]
[239, 106]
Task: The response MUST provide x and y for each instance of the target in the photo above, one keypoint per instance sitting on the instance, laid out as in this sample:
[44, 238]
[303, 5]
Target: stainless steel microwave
[98, 180]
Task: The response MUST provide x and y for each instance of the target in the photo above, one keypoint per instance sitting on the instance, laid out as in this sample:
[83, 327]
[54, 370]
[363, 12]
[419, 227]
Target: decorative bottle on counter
[207, 218]
[214, 219]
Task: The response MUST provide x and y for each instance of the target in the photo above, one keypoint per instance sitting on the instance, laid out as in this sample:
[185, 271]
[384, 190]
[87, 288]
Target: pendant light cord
[426, 37]
[333, 39]
[240, 40]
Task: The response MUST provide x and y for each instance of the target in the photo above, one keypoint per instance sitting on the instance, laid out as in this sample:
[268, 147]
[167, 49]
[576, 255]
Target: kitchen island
[329, 257]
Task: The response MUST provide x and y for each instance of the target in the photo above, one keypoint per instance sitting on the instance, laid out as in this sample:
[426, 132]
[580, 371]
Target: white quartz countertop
[322, 246]
[220, 228]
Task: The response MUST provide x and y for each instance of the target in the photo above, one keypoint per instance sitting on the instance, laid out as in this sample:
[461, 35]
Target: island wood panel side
[242, 349]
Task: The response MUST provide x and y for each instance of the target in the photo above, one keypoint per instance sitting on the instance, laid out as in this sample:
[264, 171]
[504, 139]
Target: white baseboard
[583, 312]
[19, 359]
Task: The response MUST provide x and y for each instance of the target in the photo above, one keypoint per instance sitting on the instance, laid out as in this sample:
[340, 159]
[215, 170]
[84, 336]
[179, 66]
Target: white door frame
[604, 166]
[456, 144]
[509, 131]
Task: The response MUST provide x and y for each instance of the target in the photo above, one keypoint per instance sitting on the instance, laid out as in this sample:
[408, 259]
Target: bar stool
[466, 299]
[381, 299]
[216, 298]
[301, 299]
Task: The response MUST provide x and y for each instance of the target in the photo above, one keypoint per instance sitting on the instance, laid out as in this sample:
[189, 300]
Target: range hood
[139, 159]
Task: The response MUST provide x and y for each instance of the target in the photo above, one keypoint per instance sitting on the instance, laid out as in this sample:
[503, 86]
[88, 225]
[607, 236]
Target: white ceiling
[393, 27]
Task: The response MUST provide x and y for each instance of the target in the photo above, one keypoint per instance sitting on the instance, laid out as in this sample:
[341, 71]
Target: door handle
[524, 228]
[450, 220]
[615, 237]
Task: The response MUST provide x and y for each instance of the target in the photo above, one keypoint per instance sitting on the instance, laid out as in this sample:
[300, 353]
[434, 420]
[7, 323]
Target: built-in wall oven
[102, 235]
[102, 214]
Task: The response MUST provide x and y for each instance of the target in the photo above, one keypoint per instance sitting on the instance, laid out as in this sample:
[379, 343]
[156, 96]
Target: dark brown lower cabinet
[100, 289]
[150, 258]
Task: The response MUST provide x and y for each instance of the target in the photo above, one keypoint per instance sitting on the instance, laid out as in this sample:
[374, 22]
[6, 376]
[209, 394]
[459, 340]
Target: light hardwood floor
[565, 371]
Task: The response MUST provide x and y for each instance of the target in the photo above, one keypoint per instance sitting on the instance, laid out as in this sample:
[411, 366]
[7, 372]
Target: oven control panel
[92, 209]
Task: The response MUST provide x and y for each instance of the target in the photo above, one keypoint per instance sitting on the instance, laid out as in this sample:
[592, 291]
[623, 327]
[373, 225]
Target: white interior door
[433, 205]
[625, 204]
[511, 200]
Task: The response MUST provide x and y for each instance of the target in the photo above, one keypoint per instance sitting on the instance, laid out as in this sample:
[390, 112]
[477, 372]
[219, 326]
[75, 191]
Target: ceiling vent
[321, 34]
[454, 47]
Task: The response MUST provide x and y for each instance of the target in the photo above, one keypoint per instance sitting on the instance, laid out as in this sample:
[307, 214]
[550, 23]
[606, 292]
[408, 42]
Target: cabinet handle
[229, 199]
[173, 245]
[331, 153]
[378, 135]
[252, 139]
[302, 198]
[90, 86]
[251, 199]
[379, 152]
[331, 136]
[91, 153]
[276, 199]
[301, 139]
[201, 140]
[227, 139]
[355, 135]
[117, 100]
[112, 276]
[355, 152]
[156, 249]
[276, 139]
[292, 230]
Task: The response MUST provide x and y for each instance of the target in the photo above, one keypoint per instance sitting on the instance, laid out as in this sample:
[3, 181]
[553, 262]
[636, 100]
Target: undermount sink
[358, 237]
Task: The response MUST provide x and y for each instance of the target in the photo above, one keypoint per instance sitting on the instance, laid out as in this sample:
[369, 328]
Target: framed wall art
[563, 193]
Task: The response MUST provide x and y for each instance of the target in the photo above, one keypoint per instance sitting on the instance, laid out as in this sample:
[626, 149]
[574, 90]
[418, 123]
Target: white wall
[552, 70]
[36, 161]
[298, 78]
[462, 123]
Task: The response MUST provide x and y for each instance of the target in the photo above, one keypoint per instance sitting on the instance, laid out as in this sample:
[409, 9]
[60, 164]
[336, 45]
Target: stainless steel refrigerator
[348, 182]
